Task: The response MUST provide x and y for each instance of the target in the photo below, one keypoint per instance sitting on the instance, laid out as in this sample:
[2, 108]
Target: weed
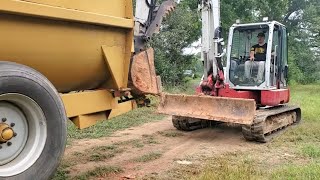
[61, 174]
[78, 154]
[106, 128]
[101, 153]
[149, 139]
[138, 144]
[149, 157]
[99, 156]
[105, 148]
[101, 171]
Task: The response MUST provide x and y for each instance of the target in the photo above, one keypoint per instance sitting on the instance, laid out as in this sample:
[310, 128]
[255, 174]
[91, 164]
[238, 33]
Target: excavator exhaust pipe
[228, 110]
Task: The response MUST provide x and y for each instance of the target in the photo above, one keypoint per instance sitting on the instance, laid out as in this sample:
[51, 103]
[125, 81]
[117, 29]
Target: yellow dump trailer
[59, 59]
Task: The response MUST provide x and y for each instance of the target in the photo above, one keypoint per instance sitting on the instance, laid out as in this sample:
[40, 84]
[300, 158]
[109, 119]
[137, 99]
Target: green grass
[297, 172]
[106, 148]
[138, 144]
[149, 157]
[187, 88]
[227, 168]
[308, 97]
[99, 157]
[241, 167]
[99, 172]
[102, 153]
[303, 139]
[311, 151]
[107, 127]
[99, 153]
[62, 172]
[149, 139]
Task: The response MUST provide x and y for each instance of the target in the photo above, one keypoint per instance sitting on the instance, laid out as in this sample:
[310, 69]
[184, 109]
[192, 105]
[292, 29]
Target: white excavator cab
[267, 74]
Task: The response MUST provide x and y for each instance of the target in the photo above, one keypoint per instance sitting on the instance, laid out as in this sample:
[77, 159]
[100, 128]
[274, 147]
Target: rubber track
[188, 124]
[255, 132]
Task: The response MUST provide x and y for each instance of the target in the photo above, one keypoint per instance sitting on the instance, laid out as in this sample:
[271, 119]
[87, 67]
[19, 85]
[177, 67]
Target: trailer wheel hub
[23, 133]
[13, 132]
[6, 132]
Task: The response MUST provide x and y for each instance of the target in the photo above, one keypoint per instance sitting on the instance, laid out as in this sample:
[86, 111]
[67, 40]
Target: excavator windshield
[246, 40]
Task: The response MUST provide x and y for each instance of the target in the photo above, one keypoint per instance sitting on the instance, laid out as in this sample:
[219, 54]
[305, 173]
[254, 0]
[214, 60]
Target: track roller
[270, 122]
[190, 124]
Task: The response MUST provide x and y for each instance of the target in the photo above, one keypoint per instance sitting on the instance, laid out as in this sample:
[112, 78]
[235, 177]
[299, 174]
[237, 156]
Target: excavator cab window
[244, 72]
[284, 65]
[278, 69]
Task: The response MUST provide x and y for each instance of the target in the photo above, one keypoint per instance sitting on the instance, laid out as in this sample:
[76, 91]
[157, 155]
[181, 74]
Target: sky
[194, 48]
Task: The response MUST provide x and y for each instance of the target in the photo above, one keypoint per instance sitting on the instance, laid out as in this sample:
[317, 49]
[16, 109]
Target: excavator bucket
[143, 78]
[229, 110]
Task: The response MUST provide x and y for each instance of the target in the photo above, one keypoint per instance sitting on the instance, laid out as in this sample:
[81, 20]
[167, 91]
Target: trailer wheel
[32, 124]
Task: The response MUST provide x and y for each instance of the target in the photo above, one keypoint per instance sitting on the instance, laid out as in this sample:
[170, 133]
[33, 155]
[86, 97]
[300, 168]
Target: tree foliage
[181, 28]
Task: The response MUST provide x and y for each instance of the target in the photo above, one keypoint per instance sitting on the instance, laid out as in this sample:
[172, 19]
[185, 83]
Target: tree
[180, 29]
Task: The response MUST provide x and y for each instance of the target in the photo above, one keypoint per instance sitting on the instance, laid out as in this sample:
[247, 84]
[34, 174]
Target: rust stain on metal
[142, 73]
[231, 110]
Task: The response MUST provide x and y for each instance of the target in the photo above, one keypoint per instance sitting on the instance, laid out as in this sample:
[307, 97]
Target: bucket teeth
[167, 7]
[161, 13]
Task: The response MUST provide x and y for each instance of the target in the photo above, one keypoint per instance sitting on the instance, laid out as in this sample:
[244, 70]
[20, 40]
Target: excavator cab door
[283, 66]
[279, 58]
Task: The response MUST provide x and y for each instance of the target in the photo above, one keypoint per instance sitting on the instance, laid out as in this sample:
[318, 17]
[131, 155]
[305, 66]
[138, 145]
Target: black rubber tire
[16, 78]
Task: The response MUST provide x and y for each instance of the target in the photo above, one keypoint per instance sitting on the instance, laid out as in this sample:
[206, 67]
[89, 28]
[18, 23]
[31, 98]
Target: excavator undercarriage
[269, 122]
[258, 124]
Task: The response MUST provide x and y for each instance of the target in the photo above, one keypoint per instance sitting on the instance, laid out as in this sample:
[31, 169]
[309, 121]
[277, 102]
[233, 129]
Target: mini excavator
[249, 91]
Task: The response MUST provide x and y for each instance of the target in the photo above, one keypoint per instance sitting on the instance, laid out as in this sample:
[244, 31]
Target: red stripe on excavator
[275, 97]
[265, 98]
[228, 92]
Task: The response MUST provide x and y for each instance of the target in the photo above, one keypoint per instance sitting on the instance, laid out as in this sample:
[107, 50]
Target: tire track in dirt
[205, 142]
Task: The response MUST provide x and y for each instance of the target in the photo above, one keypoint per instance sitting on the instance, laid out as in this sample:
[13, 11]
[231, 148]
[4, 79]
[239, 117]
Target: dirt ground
[151, 149]
[156, 150]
